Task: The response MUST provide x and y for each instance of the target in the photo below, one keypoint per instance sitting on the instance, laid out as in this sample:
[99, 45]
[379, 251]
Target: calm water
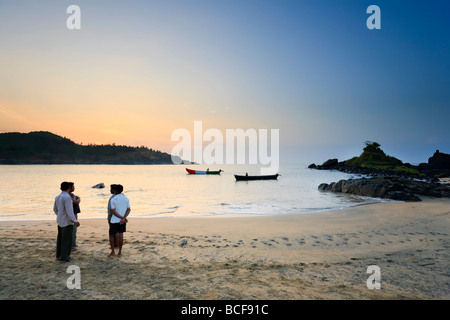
[27, 192]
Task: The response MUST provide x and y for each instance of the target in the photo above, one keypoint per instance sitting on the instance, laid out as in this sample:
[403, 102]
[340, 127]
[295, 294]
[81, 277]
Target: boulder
[439, 160]
[323, 186]
[402, 196]
[330, 163]
[438, 165]
[327, 165]
[100, 185]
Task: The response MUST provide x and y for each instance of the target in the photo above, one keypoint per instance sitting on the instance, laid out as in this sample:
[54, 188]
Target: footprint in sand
[316, 243]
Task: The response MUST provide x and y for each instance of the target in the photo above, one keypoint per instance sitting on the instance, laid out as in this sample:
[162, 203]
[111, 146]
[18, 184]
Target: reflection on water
[27, 192]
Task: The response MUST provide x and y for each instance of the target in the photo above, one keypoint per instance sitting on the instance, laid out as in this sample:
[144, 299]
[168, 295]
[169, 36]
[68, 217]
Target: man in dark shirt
[76, 209]
[113, 194]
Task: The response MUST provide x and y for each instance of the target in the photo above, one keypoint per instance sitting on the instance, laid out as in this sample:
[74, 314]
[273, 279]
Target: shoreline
[323, 255]
[226, 215]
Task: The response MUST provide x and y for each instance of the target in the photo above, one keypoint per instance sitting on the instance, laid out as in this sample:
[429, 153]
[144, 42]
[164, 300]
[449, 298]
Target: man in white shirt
[65, 217]
[120, 208]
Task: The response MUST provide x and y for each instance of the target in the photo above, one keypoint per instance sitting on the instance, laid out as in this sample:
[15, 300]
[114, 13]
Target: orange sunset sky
[138, 70]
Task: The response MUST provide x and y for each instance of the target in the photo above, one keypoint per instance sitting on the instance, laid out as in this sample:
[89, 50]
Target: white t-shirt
[121, 203]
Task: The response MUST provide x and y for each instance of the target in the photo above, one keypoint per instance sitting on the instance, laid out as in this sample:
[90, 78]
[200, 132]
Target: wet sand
[305, 256]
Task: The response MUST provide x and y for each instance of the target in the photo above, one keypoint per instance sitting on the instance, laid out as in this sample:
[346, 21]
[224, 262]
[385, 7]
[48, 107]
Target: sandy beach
[305, 256]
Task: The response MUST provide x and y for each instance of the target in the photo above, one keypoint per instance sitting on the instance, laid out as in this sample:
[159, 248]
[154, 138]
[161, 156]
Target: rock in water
[323, 186]
[327, 165]
[100, 185]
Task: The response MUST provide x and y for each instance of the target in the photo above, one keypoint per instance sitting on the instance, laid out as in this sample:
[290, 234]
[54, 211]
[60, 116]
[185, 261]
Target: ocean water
[27, 192]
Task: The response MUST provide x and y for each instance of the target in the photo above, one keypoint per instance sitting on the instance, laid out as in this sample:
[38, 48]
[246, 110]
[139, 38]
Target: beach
[322, 255]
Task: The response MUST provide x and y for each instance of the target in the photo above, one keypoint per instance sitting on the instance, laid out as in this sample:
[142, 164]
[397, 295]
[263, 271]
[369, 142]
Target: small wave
[12, 215]
[135, 190]
[154, 214]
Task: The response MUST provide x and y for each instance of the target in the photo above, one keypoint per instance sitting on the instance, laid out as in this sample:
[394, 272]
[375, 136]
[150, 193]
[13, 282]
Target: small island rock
[100, 185]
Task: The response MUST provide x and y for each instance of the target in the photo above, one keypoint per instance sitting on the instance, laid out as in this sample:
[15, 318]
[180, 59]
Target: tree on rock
[372, 146]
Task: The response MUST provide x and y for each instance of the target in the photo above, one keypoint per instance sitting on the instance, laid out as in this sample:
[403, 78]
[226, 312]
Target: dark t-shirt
[76, 207]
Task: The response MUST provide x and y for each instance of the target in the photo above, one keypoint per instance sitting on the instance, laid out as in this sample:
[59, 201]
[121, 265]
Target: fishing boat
[190, 171]
[247, 177]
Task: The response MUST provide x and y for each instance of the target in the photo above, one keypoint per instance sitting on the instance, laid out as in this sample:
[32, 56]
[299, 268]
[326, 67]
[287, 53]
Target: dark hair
[119, 188]
[70, 184]
[65, 186]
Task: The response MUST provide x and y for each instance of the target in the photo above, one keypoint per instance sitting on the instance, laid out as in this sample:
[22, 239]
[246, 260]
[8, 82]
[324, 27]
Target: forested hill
[41, 147]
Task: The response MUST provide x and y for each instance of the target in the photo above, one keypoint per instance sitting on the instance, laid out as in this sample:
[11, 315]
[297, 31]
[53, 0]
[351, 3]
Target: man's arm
[127, 213]
[124, 220]
[76, 200]
[114, 212]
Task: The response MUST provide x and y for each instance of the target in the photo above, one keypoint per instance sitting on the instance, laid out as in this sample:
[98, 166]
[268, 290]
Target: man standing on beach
[120, 207]
[113, 194]
[63, 208]
[76, 210]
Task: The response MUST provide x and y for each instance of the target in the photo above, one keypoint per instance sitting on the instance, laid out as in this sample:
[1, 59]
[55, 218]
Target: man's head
[119, 189]
[65, 186]
[71, 187]
[113, 188]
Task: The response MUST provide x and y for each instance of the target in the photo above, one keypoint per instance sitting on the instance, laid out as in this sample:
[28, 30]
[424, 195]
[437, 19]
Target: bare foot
[112, 254]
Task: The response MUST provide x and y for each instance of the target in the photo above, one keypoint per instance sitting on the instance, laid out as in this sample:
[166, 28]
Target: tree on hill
[372, 146]
[373, 156]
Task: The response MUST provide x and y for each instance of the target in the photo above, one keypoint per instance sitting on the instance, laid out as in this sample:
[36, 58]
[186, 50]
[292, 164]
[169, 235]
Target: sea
[27, 192]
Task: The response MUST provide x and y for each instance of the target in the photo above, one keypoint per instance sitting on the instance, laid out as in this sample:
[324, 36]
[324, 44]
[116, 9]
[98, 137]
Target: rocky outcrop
[438, 164]
[334, 164]
[388, 187]
[329, 164]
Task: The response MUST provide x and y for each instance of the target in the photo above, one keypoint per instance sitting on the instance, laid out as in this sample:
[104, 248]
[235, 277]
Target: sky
[138, 70]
